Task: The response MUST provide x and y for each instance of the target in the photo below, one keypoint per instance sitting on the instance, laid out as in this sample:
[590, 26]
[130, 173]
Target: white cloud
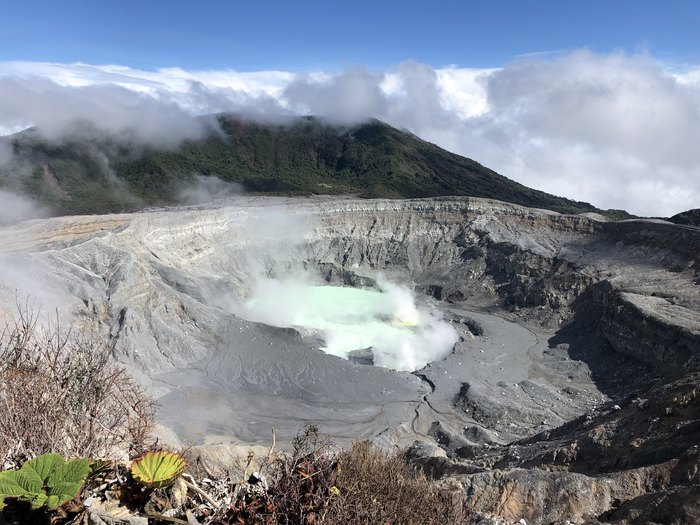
[16, 208]
[170, 79]
[341, 98]
[59, 110]
[616, 130]
[463, 91]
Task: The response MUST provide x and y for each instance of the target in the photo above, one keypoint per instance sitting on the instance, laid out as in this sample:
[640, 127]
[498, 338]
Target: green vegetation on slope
[690, 218]
[304, 157]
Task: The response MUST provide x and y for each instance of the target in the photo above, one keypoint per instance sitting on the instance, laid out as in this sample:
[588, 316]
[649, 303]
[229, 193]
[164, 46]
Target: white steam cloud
[207, 189]
[16, 208]
[612, 129]
[401, 335]
[274, 286]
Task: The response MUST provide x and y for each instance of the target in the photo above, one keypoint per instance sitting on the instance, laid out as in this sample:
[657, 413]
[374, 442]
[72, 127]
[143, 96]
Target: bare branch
[60, 392]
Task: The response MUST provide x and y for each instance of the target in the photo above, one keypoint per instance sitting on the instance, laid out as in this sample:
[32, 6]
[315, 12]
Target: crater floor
[265, 377]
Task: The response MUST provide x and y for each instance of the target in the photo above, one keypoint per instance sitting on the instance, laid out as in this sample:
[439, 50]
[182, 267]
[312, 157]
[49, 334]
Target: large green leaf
[49, 472]
[63, 492]
[37, 501]
[53, 502]
[66, 481]
[25, 483]
[43, 466]
[157, 469]
[9, 486]
[29, 480]
[72, 471]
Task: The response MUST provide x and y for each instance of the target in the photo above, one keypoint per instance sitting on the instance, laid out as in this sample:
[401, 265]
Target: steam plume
[402, 335]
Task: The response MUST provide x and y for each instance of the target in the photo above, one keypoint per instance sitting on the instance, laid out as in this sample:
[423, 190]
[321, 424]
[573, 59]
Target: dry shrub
[60, 392]
[318, 484]
[304, 487]
[380, 487]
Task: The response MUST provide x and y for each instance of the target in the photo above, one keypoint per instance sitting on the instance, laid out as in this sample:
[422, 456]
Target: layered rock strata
[561, 318]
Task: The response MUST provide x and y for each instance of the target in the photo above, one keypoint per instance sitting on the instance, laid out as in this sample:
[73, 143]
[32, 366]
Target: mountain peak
[281, 156]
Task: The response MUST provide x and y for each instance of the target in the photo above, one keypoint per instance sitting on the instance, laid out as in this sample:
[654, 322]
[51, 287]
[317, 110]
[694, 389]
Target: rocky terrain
[570, 395]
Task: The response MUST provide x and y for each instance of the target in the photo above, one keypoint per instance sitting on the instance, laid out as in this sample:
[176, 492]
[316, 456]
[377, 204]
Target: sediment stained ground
[560, 318]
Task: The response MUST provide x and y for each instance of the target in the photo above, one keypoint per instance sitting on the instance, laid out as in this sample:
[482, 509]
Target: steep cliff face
[652, 329]
[589, 312]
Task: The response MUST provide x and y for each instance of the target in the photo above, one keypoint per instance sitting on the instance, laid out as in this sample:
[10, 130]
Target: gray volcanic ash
[538, 319]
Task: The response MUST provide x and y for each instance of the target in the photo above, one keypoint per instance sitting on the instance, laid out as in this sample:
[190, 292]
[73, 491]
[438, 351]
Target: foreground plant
[60, 392]
[47, 480]
[373, 486]
[158, 469]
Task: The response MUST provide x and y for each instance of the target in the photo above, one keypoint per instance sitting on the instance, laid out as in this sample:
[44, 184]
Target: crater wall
[151, 280]
[156, 273]
[587, 311]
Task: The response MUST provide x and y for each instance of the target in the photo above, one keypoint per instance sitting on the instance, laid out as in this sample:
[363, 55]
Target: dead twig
[192, 485]
[272, 447]
[160, 517]
[61, 392]
[204, 466]
[116, 473]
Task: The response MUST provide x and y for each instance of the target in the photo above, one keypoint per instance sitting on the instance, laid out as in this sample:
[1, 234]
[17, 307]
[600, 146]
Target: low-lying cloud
[612, 129]
[62, 111]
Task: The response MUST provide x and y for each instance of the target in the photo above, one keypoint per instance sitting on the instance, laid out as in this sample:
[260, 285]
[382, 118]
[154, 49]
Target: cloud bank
[611, 129]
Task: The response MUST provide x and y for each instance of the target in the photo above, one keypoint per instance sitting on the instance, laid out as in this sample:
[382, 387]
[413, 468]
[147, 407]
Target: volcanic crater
[554, 329]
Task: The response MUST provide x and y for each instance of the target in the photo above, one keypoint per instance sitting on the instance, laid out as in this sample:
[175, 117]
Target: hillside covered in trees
[305, 156]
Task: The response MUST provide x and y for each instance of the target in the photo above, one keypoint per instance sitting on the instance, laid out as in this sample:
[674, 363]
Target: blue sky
[598, 101]
[312, 35]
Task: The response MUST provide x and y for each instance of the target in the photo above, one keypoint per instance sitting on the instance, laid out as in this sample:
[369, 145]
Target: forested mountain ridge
[302, 157]
[688, 218]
